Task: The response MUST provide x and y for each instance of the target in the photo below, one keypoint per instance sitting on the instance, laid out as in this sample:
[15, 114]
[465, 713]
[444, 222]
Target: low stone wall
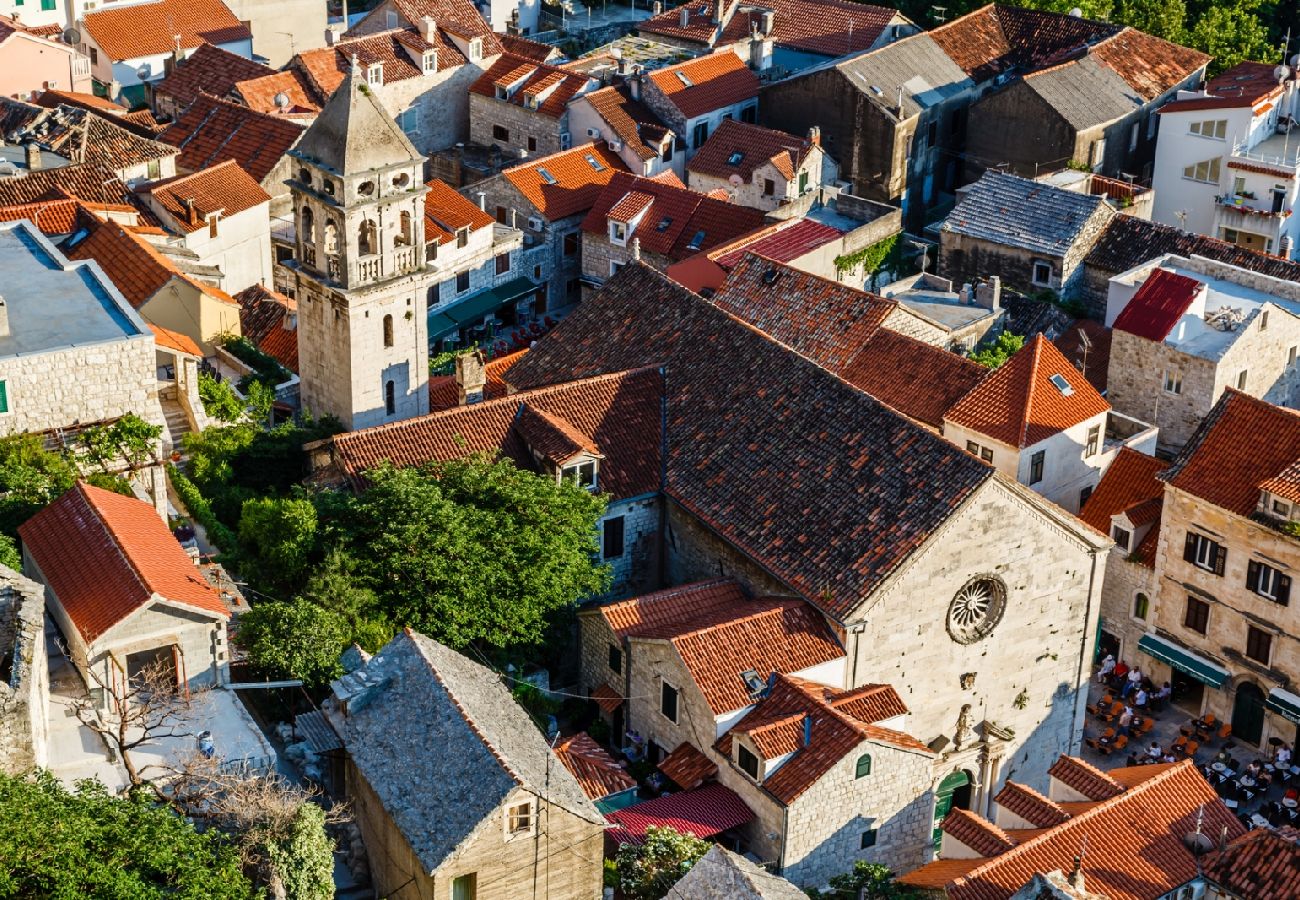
[24, 675]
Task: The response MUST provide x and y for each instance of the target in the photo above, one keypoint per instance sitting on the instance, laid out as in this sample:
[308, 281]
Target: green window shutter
[864, 766]
[4, 396]
[49, 5]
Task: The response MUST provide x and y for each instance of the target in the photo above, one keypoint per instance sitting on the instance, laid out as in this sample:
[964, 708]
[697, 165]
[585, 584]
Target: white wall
[1177, 148]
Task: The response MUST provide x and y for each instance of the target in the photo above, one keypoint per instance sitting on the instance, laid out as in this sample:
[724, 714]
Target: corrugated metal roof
[316, 730]
[1016, 212]
[1085, 93]
[917, 64]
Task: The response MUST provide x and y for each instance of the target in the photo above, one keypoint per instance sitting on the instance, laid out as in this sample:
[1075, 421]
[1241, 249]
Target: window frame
[615, 656]
[1094, 441]
[1037, 464]
[743, 757]
[1141, 606]
[1268, 582]
[1115, 534]
[861, 771]
[665, 688]
[618, 233]
[1205, 553]
[500, 269]
[1034, 274]
[620, 542]
[870, 837]
[1255, 637]
[1196, 616]
[500, 133]
[574, 472]
[1172, 382]
[520, 825]
[462, 276]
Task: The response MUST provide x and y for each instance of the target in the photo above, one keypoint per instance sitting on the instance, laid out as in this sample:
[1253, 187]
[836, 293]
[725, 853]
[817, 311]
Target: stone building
[522, 106]
[548, 199]
[693, 98]
[361, 275]
[1031, 235]
[759, 167]
[123, 593]
[24, 676]
[454, 787]
[72, 348]
[208, 70]
[721, 873]
[1184, 330]
[616, 115]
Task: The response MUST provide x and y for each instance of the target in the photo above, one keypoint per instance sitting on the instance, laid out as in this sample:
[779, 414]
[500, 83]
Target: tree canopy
[998, 352]
[647, 871]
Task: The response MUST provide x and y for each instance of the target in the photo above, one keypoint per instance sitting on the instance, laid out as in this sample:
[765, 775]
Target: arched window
[366, 238]
[864, 766]
[404, 230]
[331, 237]
[390, 397]
[308, 226]
[388, 332]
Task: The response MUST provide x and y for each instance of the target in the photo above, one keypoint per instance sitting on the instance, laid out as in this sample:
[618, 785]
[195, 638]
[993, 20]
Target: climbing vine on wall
[884, 253]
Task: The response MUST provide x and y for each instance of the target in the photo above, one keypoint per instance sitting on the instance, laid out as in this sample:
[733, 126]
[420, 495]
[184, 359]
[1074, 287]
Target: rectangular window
[613, 538]
[1197, 617]
[615, 659]
[503, 263]
[519, 818]
[503, 215]
[1268, 582]
[868, 838]
[571, 244]
[462, 282]
[532, 144]
[1098, 152]
[1263, 321]
[465, 887]
[972, 448]
[1036, 466]
[1259, 644]
[986, 454]
[1153, 122]
[155, 169]
[1121, 536]
[581, 474]
[1141, 606]
[409, 121]
[1241, 380]
[462, 238]
[668, 701]
[700, 136]
[1206, 171]
[1213, 128]
[747, 761]
[617, 232]
[1204, 553]
[4, 397]
[1133, 134]
[1042, 272]
[932, 134]
[1290, 356]
[1094, 441]
[94, 56]
[769, 187]
[803, 183]
[500, 133]
[1173, 381]
[749, 114]
[1084, 495]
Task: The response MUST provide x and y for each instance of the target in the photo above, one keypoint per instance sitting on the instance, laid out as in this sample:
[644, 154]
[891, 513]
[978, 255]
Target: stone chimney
[634, 87]
[815, 135]
[4, 318]
[471, 377]
[34, 161]
[988, 294]
[1076, 875]
[684, 16]
[430, 30]
[191, 214]
[636, 249]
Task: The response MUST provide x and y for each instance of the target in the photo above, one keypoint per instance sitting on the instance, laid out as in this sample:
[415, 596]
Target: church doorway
[954, 792]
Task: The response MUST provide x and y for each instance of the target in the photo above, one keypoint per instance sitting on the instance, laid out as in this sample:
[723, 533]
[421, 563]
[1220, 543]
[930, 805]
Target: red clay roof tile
[688, 767]
[703, 812]
[267, 318]
[755, 144]
[1025, 802]
[711, 82]
[214, 130]
[596, 771]
[224, 188]
[976, 832]
[606, 697]
[260, 94]
[208, 69]
[566, 183]
[1092, 357]
[50, 216]
[634, 123]
[530, 78]
[1158, 304]
[663, 609]
[174, 340]
[1085, 778]
[444, 394]
[828, 27]
[125, 31]
[1262, 863]
[1129, 482]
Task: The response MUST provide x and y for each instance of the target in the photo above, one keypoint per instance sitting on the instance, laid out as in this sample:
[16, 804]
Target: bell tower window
[366, 238]
[404, 230]
[388, 332]
[390, 397]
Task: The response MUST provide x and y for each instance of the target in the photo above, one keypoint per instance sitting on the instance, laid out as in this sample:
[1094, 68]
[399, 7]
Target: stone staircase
[177, 423]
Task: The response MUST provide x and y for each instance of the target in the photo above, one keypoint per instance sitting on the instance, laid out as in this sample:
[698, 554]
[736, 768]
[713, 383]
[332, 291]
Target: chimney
[815, 135]
[34, 161]
[191, 214]
[4, 318]
[332, 35]
[1076, 874]
[988, 294]
[482, 200]
[768, 21]
[807, 729]
[636, 249]
[430, 30]
[471, 377]
[716, 17]
[684, 16]
[634, 87]
[657, 8]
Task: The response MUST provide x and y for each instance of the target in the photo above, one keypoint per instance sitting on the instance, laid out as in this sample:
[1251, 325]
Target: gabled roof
[782, 242]
[703, 812]
[532, 50]
[268, 319]
[354, 133]
[1134, 840]
[1020, 403]
[566, 183]
[755, 145]
[780, 723]
[213, 130]
[460, 16]
[529, 79]
[828, 27]
[1128, 241]
[446, 212]
[1129, 482]
[649, 613]
[105, 556]
[153, 29]
[633, 123]
[1244, 85]
[1085, 778]
[89, 182]
[174, 340]
[997, 38]
[224, 188]
[722, 874]
[209, 69]
[1086, 344]
[78, 135]
[1158, 304]
[977, 833]
[814, 514]
[1226, 462]
[1264, 862]
[1016, 212]
[706, 83]
[415, 695]
[688, 767]
[52, 217]
[1149, 65]
[1028, 804]
[675, 222]
[595, 770]
[917, 379]
[260, 94]
[1084, 92]
[917, 65]
[620, 413]
[325, 68]
[552, 438]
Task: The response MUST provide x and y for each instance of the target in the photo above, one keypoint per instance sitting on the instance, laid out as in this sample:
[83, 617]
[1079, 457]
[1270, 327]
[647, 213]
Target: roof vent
[681, 76]
[547, 176]
[770, 276]
[735, 158]
[753, 682]
[1059, 382]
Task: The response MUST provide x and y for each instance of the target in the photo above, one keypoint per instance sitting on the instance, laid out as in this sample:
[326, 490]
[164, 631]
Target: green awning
[1184, 661]
[1284, 703]
[472, 309]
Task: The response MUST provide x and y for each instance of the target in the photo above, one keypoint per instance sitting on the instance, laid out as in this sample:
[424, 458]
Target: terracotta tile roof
[1085, 778]
[573, 184]
[996, 38]
[776, 726]
[324, 68]
[1150, 65]
[755, 144]
[715, 81]
[1028, 804]
[1285, 484]
[90, 182]
[1093, 359]
[812, 513]
[1129, 241]
[1130, 481]
[50, 216]
[444, 394]
[260, 93]
[78, 135]
[688, 767]
[105, 556]
[1261, 863]
[817, 26]
[760, 636]
[1135, 843]
[703, 812]
[976, 832]
[208, 69]
[596, 771]
[664, 609]
[130, 262]
[174, 340]
[1245, 84]
[620, 413]
[151, 29]
[939, 874]
[1158, 304]
[552, 438]
[915, 378]
[214, 130]
[634, 123]
[1019, 405]
[606, 697]
[446, 212]
[869, 704]
[677, 224]
[224, 188]
[460, 16]
[268, 319]
[140, 122]
[531, 50]
[1225, 462]
[529, 79]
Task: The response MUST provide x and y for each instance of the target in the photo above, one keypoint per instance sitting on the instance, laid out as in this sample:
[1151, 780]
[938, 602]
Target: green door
[1248, 714]
[943, 802]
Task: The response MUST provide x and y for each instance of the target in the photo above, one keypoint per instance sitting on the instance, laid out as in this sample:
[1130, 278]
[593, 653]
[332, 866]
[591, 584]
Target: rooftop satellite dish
[281, 100]
[1077, 13]
[71, 36]
[1281, 73]
[143, 72]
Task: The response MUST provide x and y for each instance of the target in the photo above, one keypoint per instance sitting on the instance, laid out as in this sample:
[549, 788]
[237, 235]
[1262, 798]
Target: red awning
[703, 812]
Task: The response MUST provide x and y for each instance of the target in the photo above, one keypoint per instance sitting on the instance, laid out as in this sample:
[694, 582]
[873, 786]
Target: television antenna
[939, 13]
[1181, 215]
[1086, 343]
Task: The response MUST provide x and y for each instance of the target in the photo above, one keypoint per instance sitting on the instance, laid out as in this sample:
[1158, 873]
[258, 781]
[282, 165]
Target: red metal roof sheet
[702, 812]
[1158, 304]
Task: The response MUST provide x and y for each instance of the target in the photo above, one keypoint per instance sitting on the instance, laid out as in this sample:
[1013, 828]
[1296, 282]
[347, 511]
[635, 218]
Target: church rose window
[976, 609]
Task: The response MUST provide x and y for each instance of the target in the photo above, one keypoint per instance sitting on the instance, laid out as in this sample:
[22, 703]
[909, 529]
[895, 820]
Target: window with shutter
[1197, 617]
[1268, 582]
[1204, 553]
[4, 397]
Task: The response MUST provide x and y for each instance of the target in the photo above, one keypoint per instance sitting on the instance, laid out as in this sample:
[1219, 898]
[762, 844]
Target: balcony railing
[371, 269]
[405, 259]
[80, 66]
[1243, 205]
[1282, 150]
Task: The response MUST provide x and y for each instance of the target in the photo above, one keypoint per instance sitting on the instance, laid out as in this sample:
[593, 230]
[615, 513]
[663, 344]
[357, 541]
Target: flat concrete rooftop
[53, 303]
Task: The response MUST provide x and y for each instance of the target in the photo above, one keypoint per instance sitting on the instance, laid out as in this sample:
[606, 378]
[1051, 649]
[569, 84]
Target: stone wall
[24, 675]
[695, 553]
[1124, 581]
[521, 125]
[1135, 386]
[753, 194]
[84, 383]
[636, 570]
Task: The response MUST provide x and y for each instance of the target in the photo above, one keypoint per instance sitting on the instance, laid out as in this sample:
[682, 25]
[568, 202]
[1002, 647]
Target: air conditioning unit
[616, 146]
[593, 133]
[566, 140]
[535, 223]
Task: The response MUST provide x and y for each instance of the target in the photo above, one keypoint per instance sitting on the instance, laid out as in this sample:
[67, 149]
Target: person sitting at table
[1132, 682]
[1161, 696]
[1126, 720]
[1282, 758]
[1117, 677]
[1140, 698]
[1107, 666]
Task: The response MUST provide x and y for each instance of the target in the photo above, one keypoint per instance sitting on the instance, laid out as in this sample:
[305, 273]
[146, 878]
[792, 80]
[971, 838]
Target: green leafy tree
[136, 440]
[31, 477]
[1092, 9]
[1163, 18]
[648, 871]
[9, 555]
[1232, 33]
[870, 881]
[296, 638]
[476, 550]
[303, 859]
[999, 351]
[219, 399]
[277, 537]
[337, 585]
[88, 843]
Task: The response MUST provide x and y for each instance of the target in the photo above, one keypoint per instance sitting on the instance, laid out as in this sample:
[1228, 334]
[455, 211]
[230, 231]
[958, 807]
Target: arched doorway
[954, 792]
[1248, 714]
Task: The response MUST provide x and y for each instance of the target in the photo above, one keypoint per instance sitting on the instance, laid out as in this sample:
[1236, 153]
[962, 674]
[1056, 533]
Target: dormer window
[747, 761]
[429, 62]
[375, 73]
[503, 93]
[476, 48]
[583, 474]
[617, 232]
